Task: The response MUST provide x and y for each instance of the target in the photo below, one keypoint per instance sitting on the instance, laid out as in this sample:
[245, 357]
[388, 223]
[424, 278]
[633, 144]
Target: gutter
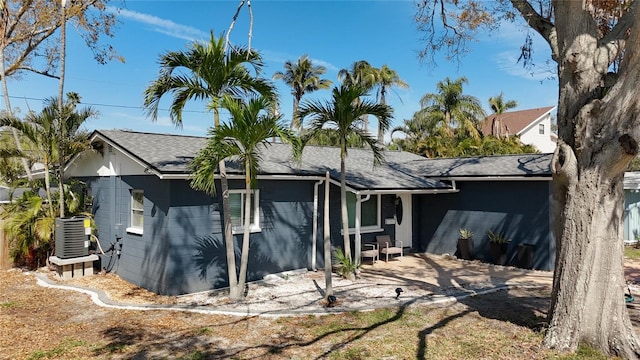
[496, 178]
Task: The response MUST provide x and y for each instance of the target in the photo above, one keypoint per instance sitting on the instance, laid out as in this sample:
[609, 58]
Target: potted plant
[465, 243]
[498, 243]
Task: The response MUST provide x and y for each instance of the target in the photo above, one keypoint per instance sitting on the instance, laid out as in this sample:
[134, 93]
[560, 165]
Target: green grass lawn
[632, 252]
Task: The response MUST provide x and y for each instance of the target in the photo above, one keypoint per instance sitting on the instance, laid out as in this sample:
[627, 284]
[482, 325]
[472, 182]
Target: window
[236, 203]
[369, 212]
[137, 212]
[541, 129]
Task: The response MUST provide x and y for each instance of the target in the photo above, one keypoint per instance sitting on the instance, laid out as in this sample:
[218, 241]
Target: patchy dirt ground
[45, 323]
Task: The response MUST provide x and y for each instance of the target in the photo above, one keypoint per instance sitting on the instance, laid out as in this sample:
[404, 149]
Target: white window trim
[135, 229]
[371, 228]
[541, 129]
[254, 227]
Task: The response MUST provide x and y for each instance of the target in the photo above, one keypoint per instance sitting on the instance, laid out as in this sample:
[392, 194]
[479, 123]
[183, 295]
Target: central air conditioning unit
[71, 237]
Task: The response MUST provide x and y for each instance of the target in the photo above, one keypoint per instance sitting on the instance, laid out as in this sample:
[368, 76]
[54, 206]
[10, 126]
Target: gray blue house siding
[181, 248]
[519, 209]
[387, 210]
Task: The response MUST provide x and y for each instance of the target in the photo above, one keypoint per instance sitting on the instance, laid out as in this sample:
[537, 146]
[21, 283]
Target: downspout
[314, 232]
[358, 237]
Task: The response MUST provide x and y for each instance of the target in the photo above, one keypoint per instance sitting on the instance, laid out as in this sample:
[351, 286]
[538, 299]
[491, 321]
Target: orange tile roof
[515, 121]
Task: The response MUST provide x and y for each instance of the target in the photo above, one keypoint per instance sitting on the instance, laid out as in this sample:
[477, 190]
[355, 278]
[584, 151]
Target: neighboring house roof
[521, 165]
[7, 194]
[515, 121]
[171, 154]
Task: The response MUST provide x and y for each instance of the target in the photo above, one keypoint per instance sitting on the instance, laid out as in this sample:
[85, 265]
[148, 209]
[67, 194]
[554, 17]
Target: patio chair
[386, 248]
[370, 251]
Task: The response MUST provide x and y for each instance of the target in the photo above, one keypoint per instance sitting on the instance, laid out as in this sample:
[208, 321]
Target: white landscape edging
[100, 299]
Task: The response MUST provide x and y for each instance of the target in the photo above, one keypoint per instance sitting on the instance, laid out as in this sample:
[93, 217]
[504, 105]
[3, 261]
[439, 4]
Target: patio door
[404, 221]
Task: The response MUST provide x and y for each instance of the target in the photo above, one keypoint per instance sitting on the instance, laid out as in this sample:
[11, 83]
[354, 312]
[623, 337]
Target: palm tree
[303, 77]
[344, 113]
[29, 223]
[360, 74]
[245, 137]
[45, 142]
[422, 132]
[454, 109]
[499, 106]
[212, 72]
[386, 78]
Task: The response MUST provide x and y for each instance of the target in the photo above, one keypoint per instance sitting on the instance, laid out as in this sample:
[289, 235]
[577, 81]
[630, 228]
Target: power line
[108, 105]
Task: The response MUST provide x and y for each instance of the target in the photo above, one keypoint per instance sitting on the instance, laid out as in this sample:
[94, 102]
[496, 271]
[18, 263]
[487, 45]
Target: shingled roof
[509, 166]
[171, 154]
[515, 121]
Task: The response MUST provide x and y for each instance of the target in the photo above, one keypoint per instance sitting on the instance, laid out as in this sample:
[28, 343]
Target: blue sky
[333, 33]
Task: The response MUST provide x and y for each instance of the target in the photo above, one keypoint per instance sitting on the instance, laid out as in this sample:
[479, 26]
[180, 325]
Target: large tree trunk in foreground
[598, 128]
[588, 303]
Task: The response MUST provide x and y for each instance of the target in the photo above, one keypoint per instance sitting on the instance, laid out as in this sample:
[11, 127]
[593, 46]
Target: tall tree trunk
[588, 303]
[5, 92]
[295, 121]
[598, 128]
[244, 257]
[235, 292]
[62, 116]
[327, 240]
[383, 101]
[343, 206]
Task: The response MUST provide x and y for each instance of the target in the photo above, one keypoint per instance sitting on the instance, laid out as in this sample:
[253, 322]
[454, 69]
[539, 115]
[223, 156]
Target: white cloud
[163, 26]
[507, 61]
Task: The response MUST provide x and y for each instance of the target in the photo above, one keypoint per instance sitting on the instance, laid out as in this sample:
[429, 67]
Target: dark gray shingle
[171, 154]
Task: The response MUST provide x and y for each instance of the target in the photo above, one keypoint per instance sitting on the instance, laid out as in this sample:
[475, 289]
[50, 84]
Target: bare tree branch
[540, 24]
[39, 72]
[233, 23]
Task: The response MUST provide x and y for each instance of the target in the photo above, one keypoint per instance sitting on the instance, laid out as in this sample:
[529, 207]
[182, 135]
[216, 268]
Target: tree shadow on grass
[138, 343]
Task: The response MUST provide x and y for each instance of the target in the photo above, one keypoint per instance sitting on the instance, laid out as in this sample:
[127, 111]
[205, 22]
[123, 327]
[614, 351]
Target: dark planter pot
[498, 252]
[464, 249]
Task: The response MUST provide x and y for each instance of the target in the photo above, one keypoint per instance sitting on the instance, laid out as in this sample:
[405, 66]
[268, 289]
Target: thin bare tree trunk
[343, 208]
[295, 122]
[5, 92]
[62, 116]
[244, 257]
[383, 101]
[234, 291]
[327, 240]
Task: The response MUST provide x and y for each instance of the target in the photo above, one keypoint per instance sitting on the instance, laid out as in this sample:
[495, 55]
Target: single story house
[167, 237]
